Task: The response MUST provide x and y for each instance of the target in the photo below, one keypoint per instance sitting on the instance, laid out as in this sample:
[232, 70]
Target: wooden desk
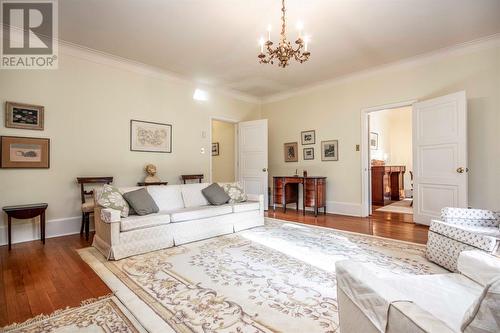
[387, 182]
[26, 212]
[286, 190]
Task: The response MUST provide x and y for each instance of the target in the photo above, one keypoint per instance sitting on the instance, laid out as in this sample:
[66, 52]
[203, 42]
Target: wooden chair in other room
[88, 200]
[191, 177]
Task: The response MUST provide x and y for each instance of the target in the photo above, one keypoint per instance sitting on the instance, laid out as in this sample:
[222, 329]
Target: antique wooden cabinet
[286, 190]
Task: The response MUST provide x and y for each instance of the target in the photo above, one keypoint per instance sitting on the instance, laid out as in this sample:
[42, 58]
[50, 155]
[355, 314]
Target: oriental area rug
[275, 278]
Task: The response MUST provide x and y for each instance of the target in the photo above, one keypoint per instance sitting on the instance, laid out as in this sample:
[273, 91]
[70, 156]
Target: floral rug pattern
[276, 278]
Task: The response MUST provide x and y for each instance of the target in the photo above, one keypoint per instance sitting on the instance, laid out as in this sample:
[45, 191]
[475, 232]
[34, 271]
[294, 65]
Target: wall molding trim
[28, 231]
[457, 49]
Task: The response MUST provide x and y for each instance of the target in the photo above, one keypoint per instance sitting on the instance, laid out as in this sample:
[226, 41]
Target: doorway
[223, 158]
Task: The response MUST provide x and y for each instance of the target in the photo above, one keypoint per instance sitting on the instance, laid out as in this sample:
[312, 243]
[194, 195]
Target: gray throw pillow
[141, 202]
[215, 194]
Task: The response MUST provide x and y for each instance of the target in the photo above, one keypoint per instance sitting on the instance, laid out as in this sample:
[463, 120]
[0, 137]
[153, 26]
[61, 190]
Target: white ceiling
[216, 41]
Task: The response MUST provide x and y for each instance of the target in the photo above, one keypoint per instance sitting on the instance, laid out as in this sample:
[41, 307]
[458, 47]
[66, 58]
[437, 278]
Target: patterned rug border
[347, 232]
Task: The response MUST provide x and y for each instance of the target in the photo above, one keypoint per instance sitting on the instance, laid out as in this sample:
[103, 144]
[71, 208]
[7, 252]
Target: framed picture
[308, 137]
[215, 149]
[150, 137]
[308, 154]
[24, 116]
[20, 152]
[330, 150]
[373, 140]
[291, 152]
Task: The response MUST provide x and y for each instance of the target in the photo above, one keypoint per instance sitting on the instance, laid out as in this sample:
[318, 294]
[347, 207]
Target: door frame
[365, 156]
[235, 123]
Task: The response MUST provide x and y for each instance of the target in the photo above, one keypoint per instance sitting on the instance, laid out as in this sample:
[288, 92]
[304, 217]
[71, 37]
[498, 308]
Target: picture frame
[290, 150]
[308, 137]
[330, 150]
[147, 136]
[215, 149]
[24, 116]
[373, 140]
[24, 152]
[308, 154]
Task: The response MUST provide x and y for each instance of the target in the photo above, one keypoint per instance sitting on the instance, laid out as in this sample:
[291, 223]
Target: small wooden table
[286, 190]
[152, 183]
[26, 212]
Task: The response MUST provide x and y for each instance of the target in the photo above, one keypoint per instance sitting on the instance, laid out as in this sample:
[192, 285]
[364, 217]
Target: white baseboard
[24, 231]
[336, 207]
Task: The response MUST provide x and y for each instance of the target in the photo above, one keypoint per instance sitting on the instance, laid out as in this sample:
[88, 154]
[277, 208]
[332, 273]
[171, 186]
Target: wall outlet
[202, 150]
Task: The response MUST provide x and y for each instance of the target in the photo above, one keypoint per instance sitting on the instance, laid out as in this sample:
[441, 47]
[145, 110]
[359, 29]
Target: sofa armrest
[107, 229]
[259, 198]
[109, 215]
[472, 217]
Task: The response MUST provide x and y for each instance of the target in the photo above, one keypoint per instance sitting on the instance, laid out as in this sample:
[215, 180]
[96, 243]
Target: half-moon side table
[26, 212]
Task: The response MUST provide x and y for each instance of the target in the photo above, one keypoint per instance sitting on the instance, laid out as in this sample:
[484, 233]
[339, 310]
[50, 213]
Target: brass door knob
[264, 170]
[460, 170]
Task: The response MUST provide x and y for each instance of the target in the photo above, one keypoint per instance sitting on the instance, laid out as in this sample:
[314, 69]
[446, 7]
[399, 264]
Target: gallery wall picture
[150, 136]
[215, 149]
[308, 154]
[291, 152]
[24, 153]
[308, 137]
[24, 116]
[373, 140]
[330, 150]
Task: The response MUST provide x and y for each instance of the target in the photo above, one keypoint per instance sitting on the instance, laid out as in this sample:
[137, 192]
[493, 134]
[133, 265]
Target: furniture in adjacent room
[88, 200]
[372, 301]
[286, 190]
[462, 229]
[26, 212]
[387, 182]
[186, 178]
[151, 183]
[184, 216]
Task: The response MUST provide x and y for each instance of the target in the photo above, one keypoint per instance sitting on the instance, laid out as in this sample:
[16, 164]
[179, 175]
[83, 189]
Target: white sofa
[468, 301]
[185, 216]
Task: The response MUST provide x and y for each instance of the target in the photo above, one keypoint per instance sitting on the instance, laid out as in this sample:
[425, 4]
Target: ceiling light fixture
[284, 52]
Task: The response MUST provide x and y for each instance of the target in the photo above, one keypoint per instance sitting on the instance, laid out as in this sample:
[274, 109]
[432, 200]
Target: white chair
[375, 301]
[459, 230]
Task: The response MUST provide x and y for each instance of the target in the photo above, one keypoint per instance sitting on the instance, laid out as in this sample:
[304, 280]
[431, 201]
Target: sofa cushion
[141, 202]
[135, 222]
[200, 212]
[479, 266]
[484, 238]
[166, 197]
[192, 196]
[111, 197]
[246, 206]
[215, 194]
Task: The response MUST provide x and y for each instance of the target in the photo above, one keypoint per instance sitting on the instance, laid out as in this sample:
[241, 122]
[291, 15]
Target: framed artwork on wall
[330, 150]
[308, 154]
[24, 116]
[150, 137]
[290, 150]
[308, 137]
[373, 140]
[24, 153]
[215, 149]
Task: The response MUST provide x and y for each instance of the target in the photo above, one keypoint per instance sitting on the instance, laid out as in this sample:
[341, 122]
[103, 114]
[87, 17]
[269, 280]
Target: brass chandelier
[284, 52]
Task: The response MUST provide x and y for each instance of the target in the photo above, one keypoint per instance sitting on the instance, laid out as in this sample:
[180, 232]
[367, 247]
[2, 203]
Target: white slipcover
[133, 222]
[245, 206]
[194, 213]
[192, 196]
[167, 197]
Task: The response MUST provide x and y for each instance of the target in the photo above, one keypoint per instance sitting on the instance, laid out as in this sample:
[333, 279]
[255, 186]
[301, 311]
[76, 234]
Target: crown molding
[458, 49]
[111, 60]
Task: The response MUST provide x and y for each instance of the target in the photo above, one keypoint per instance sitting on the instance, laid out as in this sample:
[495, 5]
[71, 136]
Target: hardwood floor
[390, 225]
[39, 279]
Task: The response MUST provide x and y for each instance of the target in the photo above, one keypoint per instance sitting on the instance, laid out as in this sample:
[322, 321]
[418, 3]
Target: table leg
[315, 197]
[283, 200]
[42, 226]
[304, 191]
[9, 226]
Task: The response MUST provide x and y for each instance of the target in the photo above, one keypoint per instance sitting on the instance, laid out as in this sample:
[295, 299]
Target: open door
[252, 157]
[439, 155]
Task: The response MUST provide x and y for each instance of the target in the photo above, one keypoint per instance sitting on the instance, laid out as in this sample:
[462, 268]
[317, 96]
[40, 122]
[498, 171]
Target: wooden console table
[286, 190]
[26, 212]
[387, 177]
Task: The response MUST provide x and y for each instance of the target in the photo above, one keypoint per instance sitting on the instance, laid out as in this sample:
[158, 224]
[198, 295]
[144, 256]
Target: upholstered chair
[88, 200]
[462, 229]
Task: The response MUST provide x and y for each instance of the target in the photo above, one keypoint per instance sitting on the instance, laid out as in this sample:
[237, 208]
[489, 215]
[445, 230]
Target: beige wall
[395, 142]
[88, 107]
[223, 164]
[333, 110]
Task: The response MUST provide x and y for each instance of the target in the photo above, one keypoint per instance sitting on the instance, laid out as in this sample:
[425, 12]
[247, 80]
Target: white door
[439, 155]
[252, 157]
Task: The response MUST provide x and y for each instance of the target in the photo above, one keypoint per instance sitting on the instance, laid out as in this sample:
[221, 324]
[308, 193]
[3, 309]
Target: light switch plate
[357, 147]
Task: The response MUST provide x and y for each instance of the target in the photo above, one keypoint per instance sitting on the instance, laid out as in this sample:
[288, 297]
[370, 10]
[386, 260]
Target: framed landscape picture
[290, 149]
[215, 149]
[373, 140]
[20, 152]
[330, 150]
[24, 116]
[308, 137]
[150, 137]
[308, 154]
